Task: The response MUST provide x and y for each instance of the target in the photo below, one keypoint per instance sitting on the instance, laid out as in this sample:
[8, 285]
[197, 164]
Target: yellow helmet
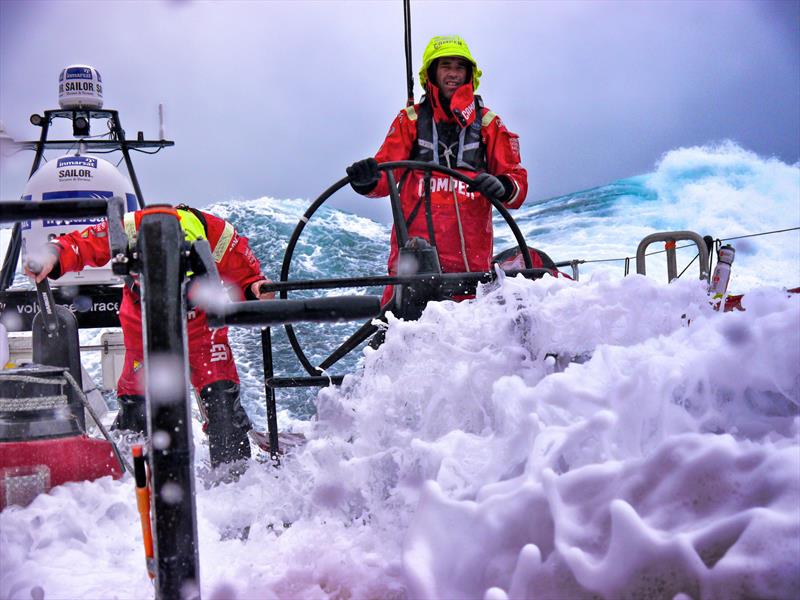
[447, 45]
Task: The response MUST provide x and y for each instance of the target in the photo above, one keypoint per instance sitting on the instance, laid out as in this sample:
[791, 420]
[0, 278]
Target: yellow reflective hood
[447, 45]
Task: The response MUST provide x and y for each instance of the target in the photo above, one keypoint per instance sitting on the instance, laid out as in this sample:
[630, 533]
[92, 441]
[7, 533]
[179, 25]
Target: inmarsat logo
[79, 73]
[76, 161]
[76, 167]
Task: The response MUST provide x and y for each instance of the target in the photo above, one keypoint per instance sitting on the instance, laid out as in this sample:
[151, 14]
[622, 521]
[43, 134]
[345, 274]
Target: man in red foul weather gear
[450, 127]
[211, 365]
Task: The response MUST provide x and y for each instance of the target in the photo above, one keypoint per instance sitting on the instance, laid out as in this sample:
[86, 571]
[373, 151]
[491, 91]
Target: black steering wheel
[401, 232]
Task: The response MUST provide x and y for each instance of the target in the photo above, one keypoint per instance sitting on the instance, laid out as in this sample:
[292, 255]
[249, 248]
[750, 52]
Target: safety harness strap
[434, 145]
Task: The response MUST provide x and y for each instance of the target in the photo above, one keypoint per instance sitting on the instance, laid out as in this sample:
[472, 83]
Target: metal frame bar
[671, 237]
[120, 143]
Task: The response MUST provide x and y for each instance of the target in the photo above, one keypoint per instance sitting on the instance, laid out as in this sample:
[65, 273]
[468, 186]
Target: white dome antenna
[72, 178]
[80, 87]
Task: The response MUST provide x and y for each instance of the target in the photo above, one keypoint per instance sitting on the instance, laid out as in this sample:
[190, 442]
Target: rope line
[123, 463]
[757, 234]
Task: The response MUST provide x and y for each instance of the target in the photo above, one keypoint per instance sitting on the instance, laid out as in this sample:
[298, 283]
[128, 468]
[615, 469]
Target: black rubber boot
[228, 423]
[132, 415]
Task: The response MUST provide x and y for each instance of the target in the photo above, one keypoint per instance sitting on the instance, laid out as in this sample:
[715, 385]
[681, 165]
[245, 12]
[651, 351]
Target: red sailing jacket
[237, 264]
[475, 212]
[210, 355]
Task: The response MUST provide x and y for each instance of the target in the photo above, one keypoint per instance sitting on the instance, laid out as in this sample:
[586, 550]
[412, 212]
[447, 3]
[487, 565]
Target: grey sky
[277, 98]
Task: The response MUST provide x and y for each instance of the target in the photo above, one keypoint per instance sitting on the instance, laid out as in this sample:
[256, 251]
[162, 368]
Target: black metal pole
[318, 381]
[272, 411]
[123, 144]
[309, 310]
[381, 280]
[409, 58]
[163, 270]
[366, 331]
[16, 210]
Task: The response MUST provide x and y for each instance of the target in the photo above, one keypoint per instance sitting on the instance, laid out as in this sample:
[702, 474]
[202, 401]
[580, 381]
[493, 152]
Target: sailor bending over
[212, 369]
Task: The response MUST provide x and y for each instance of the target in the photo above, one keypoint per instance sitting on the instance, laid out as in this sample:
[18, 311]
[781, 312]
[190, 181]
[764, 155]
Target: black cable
[104, 151]
[160, 148]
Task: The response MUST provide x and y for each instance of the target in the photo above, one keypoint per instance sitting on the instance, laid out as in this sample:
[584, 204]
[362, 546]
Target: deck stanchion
[272, 413]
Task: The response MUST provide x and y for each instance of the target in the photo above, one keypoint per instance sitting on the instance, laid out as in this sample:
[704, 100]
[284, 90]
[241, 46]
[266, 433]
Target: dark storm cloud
[276, 98]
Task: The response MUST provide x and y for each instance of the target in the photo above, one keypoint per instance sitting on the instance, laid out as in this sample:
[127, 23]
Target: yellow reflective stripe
[222, 243]
[129, 220]
[412, 114]
[487, 118]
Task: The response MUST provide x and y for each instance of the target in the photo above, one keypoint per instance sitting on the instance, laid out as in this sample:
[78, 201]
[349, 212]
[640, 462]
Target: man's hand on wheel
[488, 185]
[255, 288]
[364, 175]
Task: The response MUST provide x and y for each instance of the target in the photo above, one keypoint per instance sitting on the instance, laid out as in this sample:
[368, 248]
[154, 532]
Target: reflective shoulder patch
[412, 114]
[130, 228]
[223, 241]
[487, 118]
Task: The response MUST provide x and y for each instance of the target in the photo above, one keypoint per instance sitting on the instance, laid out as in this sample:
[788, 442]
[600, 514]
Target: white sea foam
[459, 463]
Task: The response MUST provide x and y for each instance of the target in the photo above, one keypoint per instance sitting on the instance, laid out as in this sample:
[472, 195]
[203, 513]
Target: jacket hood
[447, 45]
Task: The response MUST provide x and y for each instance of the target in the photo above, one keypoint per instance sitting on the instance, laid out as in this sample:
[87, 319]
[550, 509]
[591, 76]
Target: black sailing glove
[364, 175]
[488, 185]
